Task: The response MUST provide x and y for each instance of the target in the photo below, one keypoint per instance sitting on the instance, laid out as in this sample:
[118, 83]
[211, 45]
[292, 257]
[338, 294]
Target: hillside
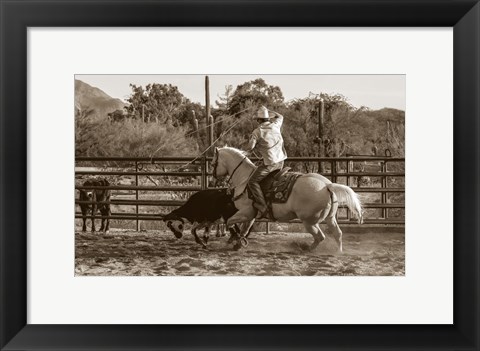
[91, 98]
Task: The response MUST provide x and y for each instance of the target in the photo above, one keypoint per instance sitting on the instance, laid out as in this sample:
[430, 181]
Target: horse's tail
[347, 196]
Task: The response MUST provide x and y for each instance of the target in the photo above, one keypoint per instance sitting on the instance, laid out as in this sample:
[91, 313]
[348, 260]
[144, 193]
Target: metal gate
[161, 182]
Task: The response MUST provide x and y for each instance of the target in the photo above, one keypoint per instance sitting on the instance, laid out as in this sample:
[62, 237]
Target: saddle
[277, 187]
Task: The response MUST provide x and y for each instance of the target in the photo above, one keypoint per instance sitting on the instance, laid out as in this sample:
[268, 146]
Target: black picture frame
[18, 15]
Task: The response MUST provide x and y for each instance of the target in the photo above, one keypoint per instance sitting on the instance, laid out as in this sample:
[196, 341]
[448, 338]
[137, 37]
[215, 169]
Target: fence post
[319, 139]
[207, 114]
[333, 171]
[204, 172]
[349, 168]
[136, 193]
[210, 134]
[384, 186]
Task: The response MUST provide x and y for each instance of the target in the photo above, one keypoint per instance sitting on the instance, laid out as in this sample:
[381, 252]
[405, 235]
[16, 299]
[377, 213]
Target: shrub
[131, 138]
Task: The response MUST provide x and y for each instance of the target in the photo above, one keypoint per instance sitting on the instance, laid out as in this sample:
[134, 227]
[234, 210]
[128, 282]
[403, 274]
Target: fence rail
[351, 171]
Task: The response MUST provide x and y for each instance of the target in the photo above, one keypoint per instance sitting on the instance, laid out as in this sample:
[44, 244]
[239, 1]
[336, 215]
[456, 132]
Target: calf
[203, 209]
[95, 197]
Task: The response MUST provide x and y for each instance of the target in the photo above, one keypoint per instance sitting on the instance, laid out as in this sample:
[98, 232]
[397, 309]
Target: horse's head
[228, 160]
[218, 164]
[175, 224]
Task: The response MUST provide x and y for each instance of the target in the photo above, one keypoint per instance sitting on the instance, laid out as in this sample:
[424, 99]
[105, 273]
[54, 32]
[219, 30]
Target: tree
[187, 112]
[116, 116]
[224, 101]
[255, 93]
[301, 128]
[157, 102]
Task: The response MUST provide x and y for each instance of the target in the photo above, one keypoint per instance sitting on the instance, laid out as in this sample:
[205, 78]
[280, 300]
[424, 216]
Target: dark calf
[95, 197]
[203, 209]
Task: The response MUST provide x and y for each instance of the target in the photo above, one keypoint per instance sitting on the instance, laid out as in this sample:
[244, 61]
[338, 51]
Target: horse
[313, 199]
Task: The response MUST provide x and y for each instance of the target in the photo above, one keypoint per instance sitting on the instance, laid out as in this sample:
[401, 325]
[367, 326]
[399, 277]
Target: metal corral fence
[142, 187]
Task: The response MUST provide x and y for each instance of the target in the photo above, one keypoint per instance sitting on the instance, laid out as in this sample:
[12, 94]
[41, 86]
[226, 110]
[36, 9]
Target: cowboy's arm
[277, 119]
[251, 143]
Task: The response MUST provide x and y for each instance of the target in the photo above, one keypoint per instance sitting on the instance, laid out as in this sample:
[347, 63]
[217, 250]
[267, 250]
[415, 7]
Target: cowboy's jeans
[260, 173]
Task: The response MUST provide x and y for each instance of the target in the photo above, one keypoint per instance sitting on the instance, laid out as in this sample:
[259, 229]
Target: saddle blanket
[277, 189]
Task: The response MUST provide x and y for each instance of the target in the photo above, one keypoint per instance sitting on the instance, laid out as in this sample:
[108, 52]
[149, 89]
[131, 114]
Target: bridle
[235, 169]
[214, 164]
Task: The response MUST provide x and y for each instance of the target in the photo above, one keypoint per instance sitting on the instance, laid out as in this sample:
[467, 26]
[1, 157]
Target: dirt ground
[159, 253]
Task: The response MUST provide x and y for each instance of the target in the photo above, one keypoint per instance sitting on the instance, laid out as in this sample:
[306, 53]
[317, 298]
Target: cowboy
[267, 140]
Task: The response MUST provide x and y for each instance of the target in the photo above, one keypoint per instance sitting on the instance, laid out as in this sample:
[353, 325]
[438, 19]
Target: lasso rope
[207, 126]
[213, 143]
[218, 121]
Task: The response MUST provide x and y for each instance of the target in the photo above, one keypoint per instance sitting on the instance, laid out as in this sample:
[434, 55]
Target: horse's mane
[236, 152]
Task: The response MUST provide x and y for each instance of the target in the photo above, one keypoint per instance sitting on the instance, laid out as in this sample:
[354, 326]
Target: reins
[231, 175]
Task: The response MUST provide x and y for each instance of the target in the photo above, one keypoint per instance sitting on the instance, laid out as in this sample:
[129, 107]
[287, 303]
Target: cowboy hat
[262, 113]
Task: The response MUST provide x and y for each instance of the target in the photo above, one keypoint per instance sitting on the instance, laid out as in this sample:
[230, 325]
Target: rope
[213, 143]
[207, 126]
[218, 121]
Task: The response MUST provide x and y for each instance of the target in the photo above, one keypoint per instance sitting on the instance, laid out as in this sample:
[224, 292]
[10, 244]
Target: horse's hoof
[243, 242]
[237, 246]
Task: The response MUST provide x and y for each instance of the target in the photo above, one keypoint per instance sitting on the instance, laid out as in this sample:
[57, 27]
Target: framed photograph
[239, 175]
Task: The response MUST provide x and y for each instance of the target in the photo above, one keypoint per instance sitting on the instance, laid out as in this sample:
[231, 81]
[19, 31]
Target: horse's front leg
[247, 228]
[234, 233]
[237, 234]
[239, 231]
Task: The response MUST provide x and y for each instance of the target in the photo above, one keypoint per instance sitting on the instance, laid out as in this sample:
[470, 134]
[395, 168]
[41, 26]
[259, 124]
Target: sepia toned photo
[239, 175]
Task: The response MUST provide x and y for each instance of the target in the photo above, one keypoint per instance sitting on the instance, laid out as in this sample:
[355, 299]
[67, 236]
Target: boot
[258, 200]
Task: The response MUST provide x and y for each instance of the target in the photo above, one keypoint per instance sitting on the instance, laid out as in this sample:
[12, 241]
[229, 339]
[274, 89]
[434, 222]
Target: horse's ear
[216, 150]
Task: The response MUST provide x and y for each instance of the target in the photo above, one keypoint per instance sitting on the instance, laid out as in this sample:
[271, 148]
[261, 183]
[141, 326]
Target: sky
[373, 91]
